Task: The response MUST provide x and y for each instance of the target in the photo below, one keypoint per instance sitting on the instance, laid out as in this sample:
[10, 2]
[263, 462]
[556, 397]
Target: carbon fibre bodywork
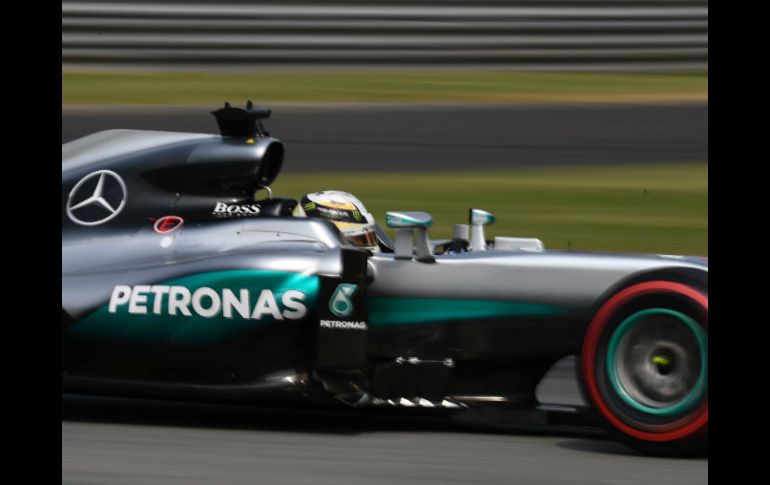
[241, 304]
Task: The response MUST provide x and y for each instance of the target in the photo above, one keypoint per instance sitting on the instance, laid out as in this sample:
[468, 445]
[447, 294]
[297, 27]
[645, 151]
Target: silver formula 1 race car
[178, 282]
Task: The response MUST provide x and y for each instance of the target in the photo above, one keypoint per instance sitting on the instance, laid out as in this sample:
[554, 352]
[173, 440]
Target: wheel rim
[657, 362]
[689, 425]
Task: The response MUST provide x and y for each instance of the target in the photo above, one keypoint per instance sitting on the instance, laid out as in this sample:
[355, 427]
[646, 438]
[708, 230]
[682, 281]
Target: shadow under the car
[612, 447]
[306, 419]
[605, 447]
[288, 418]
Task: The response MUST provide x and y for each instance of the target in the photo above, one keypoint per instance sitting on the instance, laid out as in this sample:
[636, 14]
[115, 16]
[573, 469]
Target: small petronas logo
[341, 303]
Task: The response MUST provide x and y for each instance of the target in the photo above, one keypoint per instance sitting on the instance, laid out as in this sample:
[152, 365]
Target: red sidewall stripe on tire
[687, 426]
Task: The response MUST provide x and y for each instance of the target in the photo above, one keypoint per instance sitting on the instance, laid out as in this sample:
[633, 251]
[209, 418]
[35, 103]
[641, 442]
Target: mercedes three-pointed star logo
[107, 181]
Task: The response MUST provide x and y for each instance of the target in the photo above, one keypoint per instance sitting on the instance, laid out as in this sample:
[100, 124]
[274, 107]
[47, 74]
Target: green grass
[651, 208]
[376, 85]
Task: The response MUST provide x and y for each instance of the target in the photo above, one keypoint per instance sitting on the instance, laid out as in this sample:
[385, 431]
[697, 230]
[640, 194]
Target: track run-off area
[424, 137]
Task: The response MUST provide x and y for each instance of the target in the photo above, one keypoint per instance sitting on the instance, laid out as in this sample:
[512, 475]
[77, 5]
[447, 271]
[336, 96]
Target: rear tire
[644, 367]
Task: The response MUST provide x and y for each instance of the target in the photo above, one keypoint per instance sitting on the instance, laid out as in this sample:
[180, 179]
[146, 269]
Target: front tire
[644, 367]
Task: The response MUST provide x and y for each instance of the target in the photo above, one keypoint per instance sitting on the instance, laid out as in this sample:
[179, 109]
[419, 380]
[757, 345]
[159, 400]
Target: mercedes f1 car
[179, 281]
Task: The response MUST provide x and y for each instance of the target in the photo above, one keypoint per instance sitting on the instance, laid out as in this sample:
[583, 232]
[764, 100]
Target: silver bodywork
[90, 267]
[109, 144]
[95, 261]
[271, 303]
[571, 279]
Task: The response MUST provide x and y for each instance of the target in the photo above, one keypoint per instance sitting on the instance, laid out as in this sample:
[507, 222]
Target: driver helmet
[345, 211]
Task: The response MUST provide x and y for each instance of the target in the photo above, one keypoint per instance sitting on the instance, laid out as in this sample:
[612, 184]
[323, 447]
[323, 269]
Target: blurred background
[581, 122]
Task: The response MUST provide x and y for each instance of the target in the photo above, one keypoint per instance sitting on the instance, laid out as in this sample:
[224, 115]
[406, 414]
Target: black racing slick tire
[644, 367]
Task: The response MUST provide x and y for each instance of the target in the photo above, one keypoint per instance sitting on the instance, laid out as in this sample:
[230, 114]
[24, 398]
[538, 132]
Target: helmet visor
[366, 239]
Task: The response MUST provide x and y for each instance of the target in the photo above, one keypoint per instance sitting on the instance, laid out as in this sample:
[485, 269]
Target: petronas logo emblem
[341, 303]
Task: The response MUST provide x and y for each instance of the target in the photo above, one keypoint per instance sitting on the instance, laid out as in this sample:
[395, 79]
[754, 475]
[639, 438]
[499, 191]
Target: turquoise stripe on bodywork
[196, 330]
[411, 311]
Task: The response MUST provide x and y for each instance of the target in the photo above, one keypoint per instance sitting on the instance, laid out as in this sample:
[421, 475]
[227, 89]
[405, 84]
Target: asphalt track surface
[126, 442]
[140, 442]
[444, 137]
